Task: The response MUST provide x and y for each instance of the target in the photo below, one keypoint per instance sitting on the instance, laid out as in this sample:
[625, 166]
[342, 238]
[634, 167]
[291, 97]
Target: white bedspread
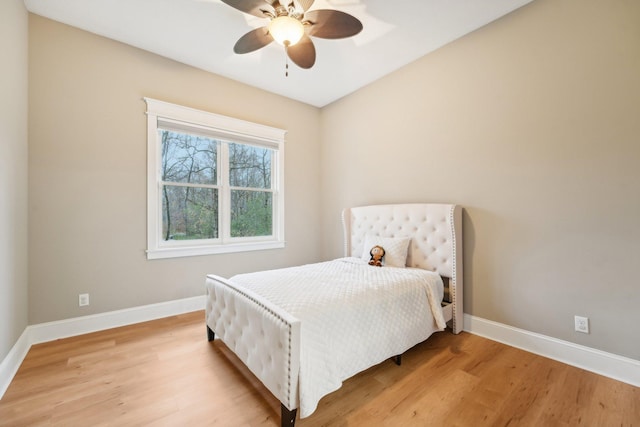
[353, 316]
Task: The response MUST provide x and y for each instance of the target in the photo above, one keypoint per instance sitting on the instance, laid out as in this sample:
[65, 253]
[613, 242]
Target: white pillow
[395, 249]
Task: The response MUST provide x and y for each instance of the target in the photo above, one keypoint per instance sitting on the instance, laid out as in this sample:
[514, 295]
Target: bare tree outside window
[251, 197]
[189, 192]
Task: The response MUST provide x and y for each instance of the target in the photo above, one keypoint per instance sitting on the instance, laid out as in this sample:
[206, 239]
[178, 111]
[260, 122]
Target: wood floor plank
[165, 373]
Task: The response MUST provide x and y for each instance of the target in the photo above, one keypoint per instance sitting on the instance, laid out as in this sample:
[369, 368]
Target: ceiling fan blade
[303, 53]
[304, 4]
[253, 40]
[253, 7]
[332, 24]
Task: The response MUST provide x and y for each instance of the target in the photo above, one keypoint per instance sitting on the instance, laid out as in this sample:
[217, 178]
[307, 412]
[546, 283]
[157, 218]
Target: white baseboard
[43, 332]
[610, 365]
[50, 331]
[10, 364]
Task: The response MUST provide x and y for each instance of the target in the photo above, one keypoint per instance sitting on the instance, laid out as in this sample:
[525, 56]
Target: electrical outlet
[582, 324]
[83, 299]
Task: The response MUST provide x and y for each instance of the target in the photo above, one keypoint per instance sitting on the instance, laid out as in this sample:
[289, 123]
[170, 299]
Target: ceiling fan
[291, 24]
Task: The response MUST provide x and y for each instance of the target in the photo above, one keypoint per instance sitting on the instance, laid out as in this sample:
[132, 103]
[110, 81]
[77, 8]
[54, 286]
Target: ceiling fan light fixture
[292, 25]
[286, 30]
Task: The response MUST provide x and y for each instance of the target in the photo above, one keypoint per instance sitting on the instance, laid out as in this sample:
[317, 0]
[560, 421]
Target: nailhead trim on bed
[275, 315]
[453, 282]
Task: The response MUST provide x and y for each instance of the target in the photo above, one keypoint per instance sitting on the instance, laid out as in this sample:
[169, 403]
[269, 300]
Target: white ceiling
[201, 33]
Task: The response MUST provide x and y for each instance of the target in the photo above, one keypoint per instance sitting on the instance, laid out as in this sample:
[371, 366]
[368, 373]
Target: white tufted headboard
[436, 239]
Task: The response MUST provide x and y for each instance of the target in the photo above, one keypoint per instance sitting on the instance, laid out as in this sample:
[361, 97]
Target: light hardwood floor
[165, 373]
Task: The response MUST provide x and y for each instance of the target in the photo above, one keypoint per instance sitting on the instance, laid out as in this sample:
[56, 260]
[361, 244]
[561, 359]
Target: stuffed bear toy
[377, 253]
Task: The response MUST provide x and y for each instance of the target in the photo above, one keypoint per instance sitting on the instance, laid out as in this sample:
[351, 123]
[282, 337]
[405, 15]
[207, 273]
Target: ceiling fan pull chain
[286, 60]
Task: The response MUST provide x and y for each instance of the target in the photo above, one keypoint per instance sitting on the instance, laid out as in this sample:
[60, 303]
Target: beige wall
[87, 173]
[13, 173]
[533, 125]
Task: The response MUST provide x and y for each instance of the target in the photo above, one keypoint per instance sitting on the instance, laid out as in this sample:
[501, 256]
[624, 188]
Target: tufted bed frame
[267, 339]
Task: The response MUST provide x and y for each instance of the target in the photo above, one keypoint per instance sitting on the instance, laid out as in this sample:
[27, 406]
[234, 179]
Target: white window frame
[224, 128]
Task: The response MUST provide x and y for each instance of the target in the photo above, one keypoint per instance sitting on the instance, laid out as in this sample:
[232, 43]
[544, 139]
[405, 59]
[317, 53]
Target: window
[214, 183]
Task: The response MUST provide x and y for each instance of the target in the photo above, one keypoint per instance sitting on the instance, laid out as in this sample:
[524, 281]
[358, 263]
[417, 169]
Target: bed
[303, 330]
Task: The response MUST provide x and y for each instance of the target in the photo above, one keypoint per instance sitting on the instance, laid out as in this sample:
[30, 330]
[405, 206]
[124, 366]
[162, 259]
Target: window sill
[160, 253]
